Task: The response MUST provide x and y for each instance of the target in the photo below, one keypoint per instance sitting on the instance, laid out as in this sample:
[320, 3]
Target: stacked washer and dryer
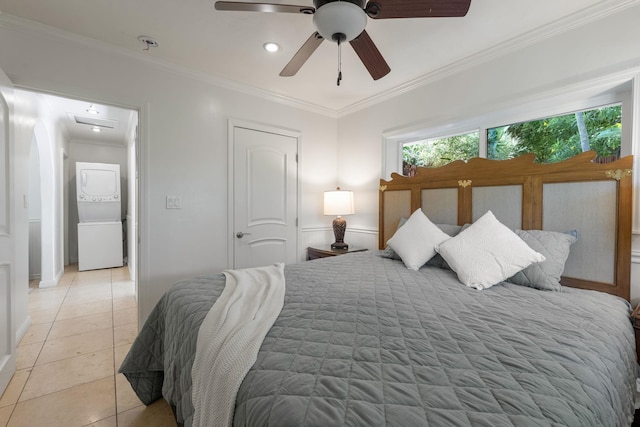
[100, 222]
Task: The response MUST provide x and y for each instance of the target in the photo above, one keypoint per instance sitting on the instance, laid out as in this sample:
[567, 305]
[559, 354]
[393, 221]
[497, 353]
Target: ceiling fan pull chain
[339, 62]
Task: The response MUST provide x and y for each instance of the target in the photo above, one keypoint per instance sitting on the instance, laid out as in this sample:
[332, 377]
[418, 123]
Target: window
[437, 152]
[608, 105]
[558, 138]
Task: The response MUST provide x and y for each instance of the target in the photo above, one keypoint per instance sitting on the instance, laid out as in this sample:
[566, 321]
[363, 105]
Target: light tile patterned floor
[68, 359]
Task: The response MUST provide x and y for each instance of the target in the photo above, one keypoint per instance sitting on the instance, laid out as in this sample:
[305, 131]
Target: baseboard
[635, 257]
[22, 330]
[51, 283]
[47, 283]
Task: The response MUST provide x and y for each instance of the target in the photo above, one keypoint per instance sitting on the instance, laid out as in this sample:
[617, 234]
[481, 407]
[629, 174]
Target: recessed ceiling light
[271, 47]
[96, 129]
[92, 110]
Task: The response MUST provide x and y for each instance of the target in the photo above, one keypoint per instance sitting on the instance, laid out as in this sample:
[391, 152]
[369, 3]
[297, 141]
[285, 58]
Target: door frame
[9, 359]
[260, 127]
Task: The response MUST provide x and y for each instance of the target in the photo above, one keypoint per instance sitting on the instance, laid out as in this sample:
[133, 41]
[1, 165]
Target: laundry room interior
[84, 160]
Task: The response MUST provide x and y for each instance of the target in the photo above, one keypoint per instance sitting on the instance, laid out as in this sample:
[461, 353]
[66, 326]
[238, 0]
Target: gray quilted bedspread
[362, 341]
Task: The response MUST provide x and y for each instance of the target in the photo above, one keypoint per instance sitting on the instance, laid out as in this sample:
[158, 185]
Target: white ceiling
[228, 45]
[115, 123]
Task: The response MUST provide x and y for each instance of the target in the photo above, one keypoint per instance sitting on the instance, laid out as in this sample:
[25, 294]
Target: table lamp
[339, 202]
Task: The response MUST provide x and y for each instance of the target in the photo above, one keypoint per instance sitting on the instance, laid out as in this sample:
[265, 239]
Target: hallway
[68, 359]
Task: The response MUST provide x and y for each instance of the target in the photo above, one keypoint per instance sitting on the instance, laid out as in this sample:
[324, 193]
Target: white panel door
[264, 198]
[7, 332]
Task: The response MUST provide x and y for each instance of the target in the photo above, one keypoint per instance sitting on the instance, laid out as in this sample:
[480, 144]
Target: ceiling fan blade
[302, 55]
[370, 56]
[263, 7]
[385, 9]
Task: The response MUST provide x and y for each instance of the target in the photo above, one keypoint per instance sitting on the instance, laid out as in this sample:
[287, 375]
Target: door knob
[240, 234]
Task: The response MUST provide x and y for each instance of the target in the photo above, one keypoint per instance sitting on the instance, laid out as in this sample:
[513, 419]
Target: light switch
[174, 202]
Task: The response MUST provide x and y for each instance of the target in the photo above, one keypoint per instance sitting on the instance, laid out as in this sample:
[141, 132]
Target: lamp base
[339, 227]
[342, 246]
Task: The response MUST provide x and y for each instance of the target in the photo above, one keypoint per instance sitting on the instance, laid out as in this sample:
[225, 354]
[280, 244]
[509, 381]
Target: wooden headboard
[576, 194]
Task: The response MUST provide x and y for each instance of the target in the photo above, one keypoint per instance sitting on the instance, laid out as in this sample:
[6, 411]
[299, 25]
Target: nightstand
[635, 320]
[326, 251]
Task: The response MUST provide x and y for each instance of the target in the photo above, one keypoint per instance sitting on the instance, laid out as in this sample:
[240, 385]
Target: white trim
[635, 256]
[584, 95]
[562, 100]
[22, 329]
[560, 26]
[363, 230]
[20, 24]
[354, 229]
[230, 190]
[51, 283]
[635, 146]
[143, 157]
[316, 229]
[262, 127]
[7, 194]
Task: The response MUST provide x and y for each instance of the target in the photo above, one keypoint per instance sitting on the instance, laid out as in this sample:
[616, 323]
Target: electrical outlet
[174, 202]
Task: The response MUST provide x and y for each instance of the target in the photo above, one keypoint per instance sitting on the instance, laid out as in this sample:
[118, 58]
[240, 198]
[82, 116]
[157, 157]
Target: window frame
[437, 137]
[619, 89]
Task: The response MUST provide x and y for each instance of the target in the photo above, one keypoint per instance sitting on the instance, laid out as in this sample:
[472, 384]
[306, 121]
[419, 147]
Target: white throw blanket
[229, 339]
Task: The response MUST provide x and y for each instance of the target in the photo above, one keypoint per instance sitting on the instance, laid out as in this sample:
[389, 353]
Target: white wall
[51, 143]
[33, 122]
[35, 207]
[183, 146]
[35, 213]
[93, 152]
[602, 48]
[23, 134]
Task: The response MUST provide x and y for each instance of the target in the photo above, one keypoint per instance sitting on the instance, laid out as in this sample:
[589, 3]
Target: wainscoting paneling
[354, 237]
[132, 255]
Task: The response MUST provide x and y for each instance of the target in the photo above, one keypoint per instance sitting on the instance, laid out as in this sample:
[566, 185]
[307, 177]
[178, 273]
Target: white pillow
[487, 253]
[416, 240]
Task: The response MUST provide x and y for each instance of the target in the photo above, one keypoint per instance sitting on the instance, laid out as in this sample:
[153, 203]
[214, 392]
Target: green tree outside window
[558, 138]
[438, 152]
[551, 139]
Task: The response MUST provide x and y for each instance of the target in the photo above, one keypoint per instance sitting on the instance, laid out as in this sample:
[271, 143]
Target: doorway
[70, 131]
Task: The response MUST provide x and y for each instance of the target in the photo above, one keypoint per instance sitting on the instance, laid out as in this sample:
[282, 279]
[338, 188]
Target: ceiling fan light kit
[340, 21]
[345, 21]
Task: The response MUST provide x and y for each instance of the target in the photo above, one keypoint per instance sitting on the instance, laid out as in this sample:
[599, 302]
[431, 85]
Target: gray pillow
[437, 260]
[555, 247]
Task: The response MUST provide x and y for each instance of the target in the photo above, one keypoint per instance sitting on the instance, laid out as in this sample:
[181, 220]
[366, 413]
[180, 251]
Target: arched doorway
[50, 221]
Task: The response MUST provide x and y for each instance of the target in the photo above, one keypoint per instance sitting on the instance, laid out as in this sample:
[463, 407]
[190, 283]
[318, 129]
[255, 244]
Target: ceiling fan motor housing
[339, 20]
[319, 3]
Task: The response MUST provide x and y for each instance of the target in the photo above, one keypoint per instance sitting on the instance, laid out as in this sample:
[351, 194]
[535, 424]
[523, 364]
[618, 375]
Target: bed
[363, 340]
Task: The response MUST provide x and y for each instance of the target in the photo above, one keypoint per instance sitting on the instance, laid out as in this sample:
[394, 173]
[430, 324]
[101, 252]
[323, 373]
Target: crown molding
[560, 26]
[15, 23]
[555, 28]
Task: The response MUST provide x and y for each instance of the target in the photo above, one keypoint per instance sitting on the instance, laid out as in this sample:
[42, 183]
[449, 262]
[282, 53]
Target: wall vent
[93, 121]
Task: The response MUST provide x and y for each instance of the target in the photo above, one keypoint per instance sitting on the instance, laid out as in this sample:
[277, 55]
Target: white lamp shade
[338, 202]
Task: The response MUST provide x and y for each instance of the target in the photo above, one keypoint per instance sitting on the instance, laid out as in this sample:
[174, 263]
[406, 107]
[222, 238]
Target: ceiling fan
[345, 21]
